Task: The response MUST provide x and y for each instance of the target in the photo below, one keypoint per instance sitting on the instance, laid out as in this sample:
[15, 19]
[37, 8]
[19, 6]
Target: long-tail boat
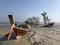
[17, 31]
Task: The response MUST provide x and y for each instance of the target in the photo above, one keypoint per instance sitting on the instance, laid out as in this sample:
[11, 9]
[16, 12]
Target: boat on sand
[16, 30]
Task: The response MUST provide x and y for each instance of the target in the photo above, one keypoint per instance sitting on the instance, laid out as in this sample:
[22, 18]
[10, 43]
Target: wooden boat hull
[21, 32]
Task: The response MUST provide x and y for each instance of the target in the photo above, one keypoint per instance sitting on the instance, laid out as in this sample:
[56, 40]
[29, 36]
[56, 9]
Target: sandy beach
[43, 36]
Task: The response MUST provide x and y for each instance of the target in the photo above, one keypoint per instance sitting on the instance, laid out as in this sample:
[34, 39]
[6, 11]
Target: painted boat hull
[21, 32]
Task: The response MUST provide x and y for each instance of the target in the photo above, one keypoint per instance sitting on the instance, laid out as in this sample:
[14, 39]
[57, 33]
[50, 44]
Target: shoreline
[46, 36]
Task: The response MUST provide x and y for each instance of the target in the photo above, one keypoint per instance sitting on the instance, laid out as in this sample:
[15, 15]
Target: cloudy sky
[22, 9]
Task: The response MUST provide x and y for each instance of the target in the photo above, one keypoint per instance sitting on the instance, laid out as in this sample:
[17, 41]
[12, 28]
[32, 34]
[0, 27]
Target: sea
[7, 24]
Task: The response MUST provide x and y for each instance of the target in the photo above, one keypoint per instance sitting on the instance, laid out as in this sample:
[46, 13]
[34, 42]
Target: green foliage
[45, 17]
[43, 14]
[33, 20]
[24, 26]
[26, 22]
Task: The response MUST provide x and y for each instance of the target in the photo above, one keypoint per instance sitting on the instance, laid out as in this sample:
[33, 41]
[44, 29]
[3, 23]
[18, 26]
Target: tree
[36, 20]
[28, 21]
[45, 18]
[33, 20]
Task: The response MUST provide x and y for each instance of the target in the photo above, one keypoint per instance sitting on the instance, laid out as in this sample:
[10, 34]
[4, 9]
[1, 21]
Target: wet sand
[43, 36]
